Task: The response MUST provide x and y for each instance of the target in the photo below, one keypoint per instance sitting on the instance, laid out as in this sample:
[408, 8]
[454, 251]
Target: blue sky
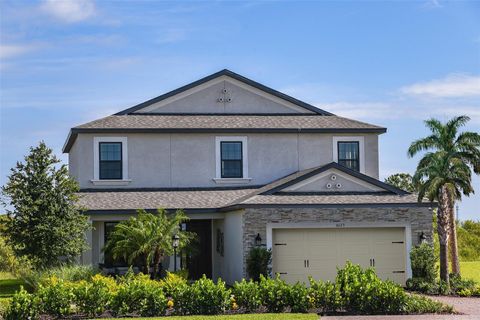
[64, 63]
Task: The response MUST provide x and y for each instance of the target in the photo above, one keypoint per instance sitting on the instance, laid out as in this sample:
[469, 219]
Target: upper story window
[110, 160]
[349, 154]
[231, 160]
[110, 165]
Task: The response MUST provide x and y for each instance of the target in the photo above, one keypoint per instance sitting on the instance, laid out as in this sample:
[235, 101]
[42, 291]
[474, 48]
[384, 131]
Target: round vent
[333, 177]
[338, 185]
[329, 186]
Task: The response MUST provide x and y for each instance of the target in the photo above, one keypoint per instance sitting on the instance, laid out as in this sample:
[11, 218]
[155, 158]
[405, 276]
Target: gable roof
[231, 74]
[291, 180]
[276, 186]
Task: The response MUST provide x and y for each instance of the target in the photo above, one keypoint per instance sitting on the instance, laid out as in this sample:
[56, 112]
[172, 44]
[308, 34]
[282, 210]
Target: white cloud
[362, 110]
[431, 4]
[69, 10]
[13, 50]
[371, 111]
[452, 86]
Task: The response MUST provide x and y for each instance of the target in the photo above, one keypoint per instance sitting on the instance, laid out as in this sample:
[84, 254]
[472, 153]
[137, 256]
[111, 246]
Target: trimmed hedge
[355, 291]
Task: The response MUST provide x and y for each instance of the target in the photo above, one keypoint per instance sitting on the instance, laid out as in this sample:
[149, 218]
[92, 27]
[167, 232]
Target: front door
[199, 260]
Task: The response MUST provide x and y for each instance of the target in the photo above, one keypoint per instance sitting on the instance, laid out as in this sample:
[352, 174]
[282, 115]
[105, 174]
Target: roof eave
[75, 131]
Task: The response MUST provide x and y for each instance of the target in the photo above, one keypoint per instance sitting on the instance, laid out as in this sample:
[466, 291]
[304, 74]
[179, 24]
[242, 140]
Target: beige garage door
[299, 253]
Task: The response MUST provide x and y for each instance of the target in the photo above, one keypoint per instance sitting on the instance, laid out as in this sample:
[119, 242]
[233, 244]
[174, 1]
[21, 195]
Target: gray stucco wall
[206, 101]
[188, 160]
[255, 220]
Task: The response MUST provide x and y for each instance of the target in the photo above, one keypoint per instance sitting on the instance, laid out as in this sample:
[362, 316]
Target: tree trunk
[453, 239]
[442, 228]
[156, 264]
[146, 269]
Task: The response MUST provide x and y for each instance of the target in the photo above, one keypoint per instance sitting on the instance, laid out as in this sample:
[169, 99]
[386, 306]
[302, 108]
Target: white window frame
[218, 161]
[96, 162]
[361, 146]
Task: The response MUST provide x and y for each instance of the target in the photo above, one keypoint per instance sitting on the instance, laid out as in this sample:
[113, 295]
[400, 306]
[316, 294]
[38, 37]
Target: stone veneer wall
[255, 220]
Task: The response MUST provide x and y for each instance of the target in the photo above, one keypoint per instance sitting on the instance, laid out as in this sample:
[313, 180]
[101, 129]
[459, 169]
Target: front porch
[217, 250]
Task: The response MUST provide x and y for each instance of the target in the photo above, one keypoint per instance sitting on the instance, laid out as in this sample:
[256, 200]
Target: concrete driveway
[468, 309]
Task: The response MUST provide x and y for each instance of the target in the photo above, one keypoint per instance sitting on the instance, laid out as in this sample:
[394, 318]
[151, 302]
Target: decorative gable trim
[347, 172]
[332, 172]
[219, 76]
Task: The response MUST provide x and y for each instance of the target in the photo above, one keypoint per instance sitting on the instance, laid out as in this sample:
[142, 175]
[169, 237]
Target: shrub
[172, 284]
[94, 297]
[299, 300]
[138, 294]
[324, 295]
[258, 262]
[468, 233]
[23, 306]
[423, 260]
[415, 304]
[465, 293]
[476, 291]
[274, 294]
[55, 296]
[363, 292]
[204, 297]
[421, 285]
[457, 284]
[247, 295]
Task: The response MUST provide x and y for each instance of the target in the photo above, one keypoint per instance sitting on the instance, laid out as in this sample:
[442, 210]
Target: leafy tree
[149, 237]
[469, 240]
[444, 174]
[402, 181]
[45, 224]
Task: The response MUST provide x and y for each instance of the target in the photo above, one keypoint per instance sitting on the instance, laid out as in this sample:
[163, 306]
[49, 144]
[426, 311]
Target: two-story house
[250, 166]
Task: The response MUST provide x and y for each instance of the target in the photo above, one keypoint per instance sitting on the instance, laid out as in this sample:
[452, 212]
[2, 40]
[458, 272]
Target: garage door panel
[327, 249]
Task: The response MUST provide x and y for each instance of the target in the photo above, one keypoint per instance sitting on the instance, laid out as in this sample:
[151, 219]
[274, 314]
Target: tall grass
[71, 273]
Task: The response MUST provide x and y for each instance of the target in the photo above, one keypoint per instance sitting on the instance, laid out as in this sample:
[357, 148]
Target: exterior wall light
[422, 237]
[258, 240]
[175, 243]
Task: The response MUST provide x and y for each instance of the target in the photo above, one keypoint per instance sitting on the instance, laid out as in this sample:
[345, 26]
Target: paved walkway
[468, 307]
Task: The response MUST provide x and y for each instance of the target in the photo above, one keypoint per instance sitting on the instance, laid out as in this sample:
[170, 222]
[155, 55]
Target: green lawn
[9, 285]
[261, 316]
[470, 270]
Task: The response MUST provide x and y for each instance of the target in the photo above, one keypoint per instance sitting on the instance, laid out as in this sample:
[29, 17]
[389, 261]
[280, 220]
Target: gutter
[72, 136]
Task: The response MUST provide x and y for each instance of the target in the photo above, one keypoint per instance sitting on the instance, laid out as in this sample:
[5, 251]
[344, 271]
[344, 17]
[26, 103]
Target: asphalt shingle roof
[133, 200]
[226, 122]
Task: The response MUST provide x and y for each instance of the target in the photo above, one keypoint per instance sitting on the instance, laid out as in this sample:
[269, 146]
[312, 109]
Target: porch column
[86, 256]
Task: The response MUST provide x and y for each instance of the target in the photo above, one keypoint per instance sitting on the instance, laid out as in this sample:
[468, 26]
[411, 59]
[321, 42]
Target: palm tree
[149, 237]
[444, 175]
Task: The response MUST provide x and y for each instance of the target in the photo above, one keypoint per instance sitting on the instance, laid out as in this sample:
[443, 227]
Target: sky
[395, 64]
